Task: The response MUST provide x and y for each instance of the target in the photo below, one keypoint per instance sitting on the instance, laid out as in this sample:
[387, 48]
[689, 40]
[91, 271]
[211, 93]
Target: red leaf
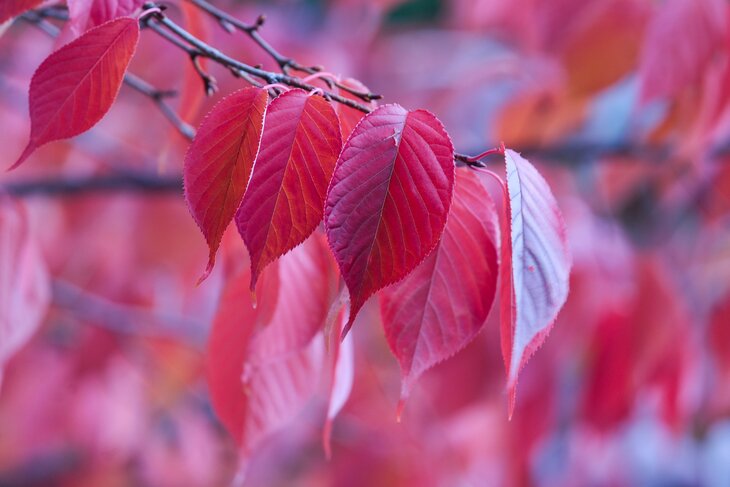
[534, 268]
[77, 84]
[13, 8]
[441, 306]
[85, 14]
[389, 198]
[261, 376]
[235, 321]
[218, 162]
[679, 44]
[285, 200]
[24, 284]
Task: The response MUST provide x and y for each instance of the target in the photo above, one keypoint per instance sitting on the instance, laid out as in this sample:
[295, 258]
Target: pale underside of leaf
[540, 263]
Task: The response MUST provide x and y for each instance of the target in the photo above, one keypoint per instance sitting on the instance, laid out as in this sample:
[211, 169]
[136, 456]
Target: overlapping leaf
[389, 198]
[441, 306]
[284, 203]
[349, 117]
[13, 8]
[77, 84]
[264, 367]
[219, 161]
[534, 267]
[308, 286]
[85, 14]
[24, 283]
[341, 381]
[681, 39]
[235, 322]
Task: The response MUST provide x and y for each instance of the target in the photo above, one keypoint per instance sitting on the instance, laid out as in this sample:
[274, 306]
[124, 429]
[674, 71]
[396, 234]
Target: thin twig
[229, 23]
[158, 98]
[269, 77]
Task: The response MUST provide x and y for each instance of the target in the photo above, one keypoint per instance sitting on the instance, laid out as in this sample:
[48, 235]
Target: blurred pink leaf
[680, 41]
[24, 281]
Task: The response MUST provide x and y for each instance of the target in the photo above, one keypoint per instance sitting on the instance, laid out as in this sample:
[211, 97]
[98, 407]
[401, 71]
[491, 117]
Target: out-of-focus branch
[124, 318]
[143, 182]
[151, 182]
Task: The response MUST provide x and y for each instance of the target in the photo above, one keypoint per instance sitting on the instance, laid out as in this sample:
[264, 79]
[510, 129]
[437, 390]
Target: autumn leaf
[341, 381]
[77, 84]
[389, 197]
[24, 282]
[534, 268]
[441, 306]
[285, 201]
[680, 41]
[85, 14]
[219, 161]
[263, 368]
[235, 321]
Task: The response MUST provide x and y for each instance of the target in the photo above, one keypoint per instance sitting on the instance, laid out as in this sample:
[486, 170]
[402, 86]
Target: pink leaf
[235, 321]
[308, 284]
[24, 282]
[263, 369]
[343, 377]
[77, 84]
[285, 200]
[278, 391]
[85, 14]
[218, 162]
[534, 268]
[441, 306]
[389, 198]
[13, 8]
[680, 42]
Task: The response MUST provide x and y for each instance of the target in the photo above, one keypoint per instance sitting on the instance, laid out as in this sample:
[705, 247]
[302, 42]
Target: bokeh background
[621, 104]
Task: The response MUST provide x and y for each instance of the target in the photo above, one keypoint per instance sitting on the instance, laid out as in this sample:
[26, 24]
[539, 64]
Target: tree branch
[570, 154]
[143, 182]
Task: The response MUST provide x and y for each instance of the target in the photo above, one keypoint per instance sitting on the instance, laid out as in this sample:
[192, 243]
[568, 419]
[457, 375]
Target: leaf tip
[511, 399]
[399, 409]
[26, 153]
[346, 329]
[207, 271]
[252, 291]
[327, 439]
